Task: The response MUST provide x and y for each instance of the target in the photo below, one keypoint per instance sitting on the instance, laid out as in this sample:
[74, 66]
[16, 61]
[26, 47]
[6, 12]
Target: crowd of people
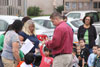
[58, 52]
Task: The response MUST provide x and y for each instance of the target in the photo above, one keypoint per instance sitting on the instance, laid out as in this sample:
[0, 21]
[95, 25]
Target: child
[97, 59]
[84, 52]
[78, 54]
[75, 60]
[92, 56]
[46, 60]
[29, 58]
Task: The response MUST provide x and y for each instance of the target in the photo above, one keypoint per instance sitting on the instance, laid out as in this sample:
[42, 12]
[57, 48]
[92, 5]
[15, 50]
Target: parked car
[5, 21]
[81, 14]
[44, 26]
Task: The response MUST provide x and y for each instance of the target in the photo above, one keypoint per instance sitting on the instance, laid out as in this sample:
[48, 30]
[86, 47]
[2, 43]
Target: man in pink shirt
[62, 42]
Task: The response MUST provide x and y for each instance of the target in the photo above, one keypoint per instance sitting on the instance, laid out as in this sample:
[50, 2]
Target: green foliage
[33, 11]
[60, 8]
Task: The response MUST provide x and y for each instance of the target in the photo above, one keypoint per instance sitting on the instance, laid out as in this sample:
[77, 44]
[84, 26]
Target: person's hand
[43, 42]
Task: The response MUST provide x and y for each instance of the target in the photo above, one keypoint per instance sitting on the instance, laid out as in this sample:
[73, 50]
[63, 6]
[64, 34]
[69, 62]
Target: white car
[81, 14]
[5, 21]
[44, 26]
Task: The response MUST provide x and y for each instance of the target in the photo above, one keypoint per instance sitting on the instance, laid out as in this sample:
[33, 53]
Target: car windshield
[74, 15]
[45, 23]
[94, 15]
[77, 23]
[3, 25]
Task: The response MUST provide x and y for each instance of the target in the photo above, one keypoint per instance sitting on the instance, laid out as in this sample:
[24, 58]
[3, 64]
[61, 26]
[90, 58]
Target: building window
[68, 5]
[99, 4]
[80, 5]
[19, 2]
[74, 5]
[6, 2]
[95, 4]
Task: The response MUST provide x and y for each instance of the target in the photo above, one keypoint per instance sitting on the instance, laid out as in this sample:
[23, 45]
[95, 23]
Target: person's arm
[83, 62]
[15, 50]
[89, 61]
[1, 42]
[95, 33]
[21, 54]
[41, 51]
[75, 59]
[78, 34]
[56, 41]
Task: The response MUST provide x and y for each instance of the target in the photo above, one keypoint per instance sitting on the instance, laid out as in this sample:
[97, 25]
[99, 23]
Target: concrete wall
[45, 5]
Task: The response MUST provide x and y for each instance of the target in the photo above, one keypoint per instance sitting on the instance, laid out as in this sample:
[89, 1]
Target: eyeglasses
[87, 19]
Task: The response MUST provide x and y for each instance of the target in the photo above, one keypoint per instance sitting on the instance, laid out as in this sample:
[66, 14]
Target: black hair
[29, 58]
[9, 28]
[46, 49]
[82, 39]
[64, 17]
[91, 19]
[95, 46]
[17, 26]
[74, 45]
[98, 46]
[25, 19]
[74, 50]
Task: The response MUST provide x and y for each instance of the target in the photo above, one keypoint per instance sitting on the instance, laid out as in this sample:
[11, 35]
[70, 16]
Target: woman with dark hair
[10, 54]
[1, 44]
[88, 32]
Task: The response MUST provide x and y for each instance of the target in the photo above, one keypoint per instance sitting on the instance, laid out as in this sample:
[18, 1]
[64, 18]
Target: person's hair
[46, 49]
[82, 39]
[56, 14]
[17, 26]
[24, 19]
[95, 46]
[26, 27]
[74, 50]
[64, 17]
[9, 28]
[29, 58]
[98, 46]
[91, 20]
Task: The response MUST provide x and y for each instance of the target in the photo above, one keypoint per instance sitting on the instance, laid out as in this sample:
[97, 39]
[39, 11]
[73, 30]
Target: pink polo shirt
[62, 41]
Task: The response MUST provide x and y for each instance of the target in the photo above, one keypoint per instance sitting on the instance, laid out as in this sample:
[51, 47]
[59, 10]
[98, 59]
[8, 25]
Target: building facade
[46, 5]
[19, 7]
[70, 5]
[11, 7]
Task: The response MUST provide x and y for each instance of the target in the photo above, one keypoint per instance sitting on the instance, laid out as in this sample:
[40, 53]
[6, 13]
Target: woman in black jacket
[88, 32]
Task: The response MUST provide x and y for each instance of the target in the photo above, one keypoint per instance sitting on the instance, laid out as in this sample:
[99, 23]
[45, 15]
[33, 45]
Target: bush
[34, 11]
[60, 8]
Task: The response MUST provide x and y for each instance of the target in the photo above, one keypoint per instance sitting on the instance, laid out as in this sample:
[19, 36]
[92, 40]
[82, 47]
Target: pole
[25, 7]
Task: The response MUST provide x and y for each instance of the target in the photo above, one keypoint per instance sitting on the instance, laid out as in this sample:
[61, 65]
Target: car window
[94, 15]
[74, 15]
[77, 23]
[45, 23]
[40, 22]
[3, 25]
